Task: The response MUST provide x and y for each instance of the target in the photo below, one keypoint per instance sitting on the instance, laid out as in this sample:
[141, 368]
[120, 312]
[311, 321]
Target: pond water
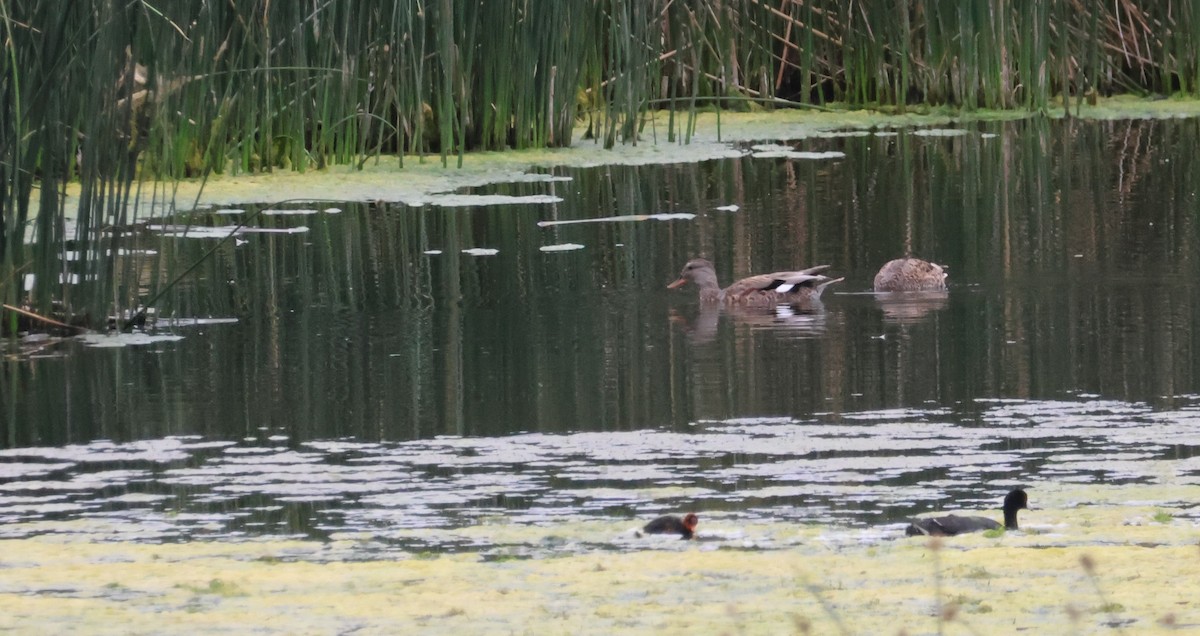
[405, 374]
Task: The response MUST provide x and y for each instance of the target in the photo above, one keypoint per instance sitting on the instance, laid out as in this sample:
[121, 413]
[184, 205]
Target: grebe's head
[1015, 500]
[690, 521]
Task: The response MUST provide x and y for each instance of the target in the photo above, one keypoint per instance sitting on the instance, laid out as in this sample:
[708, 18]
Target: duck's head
[939, 273]
[697, 270]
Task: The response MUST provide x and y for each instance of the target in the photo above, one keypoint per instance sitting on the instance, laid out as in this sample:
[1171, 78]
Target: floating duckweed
[289, 212]
[798, 154]
[562, 247]
[940, 132]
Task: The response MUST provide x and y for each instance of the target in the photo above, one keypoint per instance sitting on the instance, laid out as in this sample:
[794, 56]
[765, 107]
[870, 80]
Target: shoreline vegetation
[110, 95]
[715, 137]
[1098, 567]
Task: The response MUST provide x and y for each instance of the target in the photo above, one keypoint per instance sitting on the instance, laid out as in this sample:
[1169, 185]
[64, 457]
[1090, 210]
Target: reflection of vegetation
[1048, 220]
[106, 92]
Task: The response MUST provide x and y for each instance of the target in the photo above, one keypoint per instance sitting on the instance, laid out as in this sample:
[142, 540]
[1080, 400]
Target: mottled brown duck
[951, 525]
[763, 290]
[910, 274]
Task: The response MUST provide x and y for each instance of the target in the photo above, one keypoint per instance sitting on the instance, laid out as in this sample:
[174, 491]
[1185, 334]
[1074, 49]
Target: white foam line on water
[675, 216]
[285, 212]
[470, 200]
[797, 154]
[561, 247]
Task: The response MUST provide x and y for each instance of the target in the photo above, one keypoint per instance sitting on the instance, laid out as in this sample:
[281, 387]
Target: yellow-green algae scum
[380, 179]
[1141, 578]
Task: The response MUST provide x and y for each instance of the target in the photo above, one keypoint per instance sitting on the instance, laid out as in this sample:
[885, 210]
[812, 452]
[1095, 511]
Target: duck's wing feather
[781, 282]
[795, 280]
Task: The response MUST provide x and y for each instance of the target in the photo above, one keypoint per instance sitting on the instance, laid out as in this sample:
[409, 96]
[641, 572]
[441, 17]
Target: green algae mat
[1105, 566]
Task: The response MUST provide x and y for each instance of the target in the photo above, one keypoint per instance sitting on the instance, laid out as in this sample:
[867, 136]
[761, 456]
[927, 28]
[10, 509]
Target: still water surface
[379, 382]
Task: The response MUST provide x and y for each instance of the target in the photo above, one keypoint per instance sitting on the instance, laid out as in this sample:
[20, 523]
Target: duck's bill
[679, 283]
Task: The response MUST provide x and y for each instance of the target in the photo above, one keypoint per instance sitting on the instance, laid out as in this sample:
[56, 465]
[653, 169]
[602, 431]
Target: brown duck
[763, 290]
[910, 274]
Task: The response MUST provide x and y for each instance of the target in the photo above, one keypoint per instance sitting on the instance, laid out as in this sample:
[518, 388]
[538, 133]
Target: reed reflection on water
[1071, 248]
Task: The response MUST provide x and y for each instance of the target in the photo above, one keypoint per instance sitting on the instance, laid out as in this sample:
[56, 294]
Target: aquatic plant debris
[125, 339]
[288, 211]
[797, 154]
[470, 200]
[772, 151]
[939, 132]
[833, 134]
[219, 232]
[299, 229]
[537, 177]
[771, 148]
[194, 322]
[675, 216]
[195, 231]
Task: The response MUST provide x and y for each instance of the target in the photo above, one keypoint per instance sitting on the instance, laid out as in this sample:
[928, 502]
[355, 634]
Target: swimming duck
[951, 525]
[763, 290]
[910, 274]
[670, 524]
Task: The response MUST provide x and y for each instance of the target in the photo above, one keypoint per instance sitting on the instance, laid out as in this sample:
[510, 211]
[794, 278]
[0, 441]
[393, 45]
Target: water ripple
[863, 469]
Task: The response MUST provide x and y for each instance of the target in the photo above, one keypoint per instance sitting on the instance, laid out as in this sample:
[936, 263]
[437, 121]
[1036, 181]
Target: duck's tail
[820, 287]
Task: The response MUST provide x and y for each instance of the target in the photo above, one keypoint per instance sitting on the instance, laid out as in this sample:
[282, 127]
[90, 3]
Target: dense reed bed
[111, 92]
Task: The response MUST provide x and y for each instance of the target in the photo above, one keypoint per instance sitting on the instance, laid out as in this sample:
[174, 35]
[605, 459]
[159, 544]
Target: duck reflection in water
[804, 321]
